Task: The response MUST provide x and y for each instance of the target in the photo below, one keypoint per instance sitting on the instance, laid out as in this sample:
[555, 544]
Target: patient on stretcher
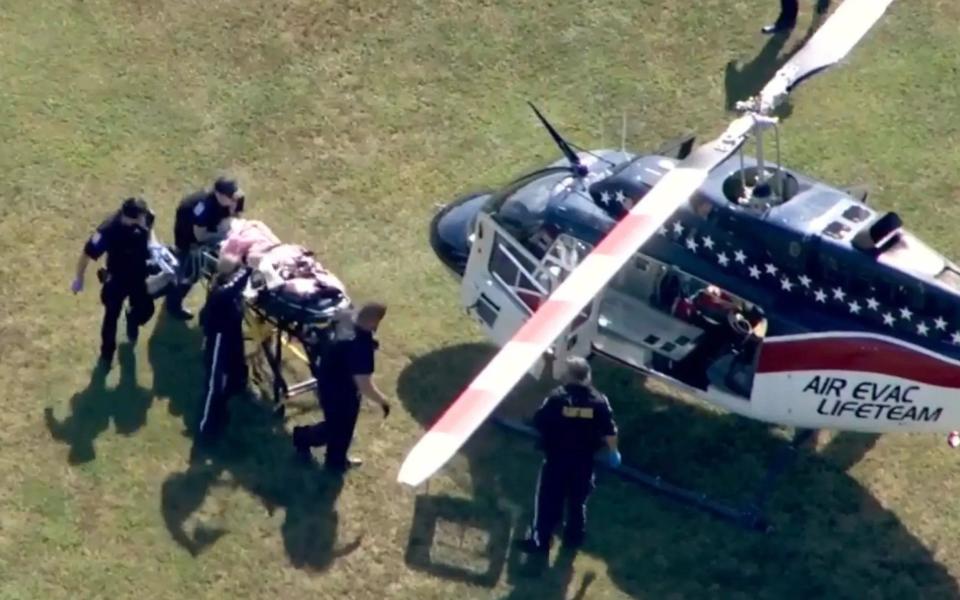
[290, 268]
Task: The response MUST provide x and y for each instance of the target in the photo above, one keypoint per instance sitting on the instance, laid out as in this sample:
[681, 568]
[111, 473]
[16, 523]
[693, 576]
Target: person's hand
[77, 285]
[613, 459]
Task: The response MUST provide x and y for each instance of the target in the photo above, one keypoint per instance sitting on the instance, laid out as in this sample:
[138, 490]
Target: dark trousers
[186, 277]
[226, 374]
[562, 484]
[335, 431]
[113, 293]
[789, 9]
[788, 13]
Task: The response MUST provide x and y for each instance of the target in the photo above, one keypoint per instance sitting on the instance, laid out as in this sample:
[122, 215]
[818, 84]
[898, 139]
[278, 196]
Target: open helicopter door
[504, 283]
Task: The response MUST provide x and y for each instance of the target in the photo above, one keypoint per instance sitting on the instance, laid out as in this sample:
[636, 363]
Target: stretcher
[291, 301]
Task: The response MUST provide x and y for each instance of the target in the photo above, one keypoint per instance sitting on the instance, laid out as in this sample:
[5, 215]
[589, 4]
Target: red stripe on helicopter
[866, 355]
[461, 413]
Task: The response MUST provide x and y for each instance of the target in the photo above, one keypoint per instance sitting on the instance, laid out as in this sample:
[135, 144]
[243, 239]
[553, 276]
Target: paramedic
[223, 352]
[198, 220]
[124, 237]
[574, 422]
[344, 373]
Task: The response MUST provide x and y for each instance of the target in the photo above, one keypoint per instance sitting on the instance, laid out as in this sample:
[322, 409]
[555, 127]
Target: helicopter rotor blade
[828, 46]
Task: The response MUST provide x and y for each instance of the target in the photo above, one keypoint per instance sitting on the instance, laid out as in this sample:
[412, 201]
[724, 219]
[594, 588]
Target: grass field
[347, 122]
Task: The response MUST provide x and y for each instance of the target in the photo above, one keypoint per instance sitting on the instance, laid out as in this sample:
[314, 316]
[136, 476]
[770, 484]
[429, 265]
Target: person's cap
[132, 208]
[226, 186]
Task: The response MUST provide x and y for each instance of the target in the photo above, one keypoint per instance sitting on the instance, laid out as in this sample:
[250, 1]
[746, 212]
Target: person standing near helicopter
[574, 422]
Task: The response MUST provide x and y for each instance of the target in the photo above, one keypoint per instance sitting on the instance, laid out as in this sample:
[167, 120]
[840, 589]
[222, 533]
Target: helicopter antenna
[578, 168]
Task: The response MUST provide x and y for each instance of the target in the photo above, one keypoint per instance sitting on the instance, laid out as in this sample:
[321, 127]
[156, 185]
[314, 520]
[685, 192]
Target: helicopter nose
[450, 230]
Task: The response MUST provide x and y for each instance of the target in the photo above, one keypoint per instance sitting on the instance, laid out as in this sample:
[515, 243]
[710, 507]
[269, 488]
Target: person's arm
[361, 367]
[369, 389]
[92, 250]
[203, 234]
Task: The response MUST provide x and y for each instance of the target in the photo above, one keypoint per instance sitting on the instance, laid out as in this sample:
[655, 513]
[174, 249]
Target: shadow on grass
[832, 537]
[255, 452]
[92, 409]
[744, 80]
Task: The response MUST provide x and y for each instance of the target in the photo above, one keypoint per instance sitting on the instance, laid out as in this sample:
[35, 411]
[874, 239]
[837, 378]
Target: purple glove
[76, 286]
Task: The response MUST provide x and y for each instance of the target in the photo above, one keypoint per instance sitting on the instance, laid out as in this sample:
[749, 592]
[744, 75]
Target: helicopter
[749, 285]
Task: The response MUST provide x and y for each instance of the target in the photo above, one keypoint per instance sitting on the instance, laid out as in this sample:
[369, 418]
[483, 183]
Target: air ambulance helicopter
[751, 286]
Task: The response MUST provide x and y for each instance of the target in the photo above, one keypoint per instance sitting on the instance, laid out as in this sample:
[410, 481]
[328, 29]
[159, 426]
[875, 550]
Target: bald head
[577, 370]
[370, 315]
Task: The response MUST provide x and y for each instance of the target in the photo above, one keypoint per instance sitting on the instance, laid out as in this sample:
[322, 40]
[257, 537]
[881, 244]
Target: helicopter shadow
[745, 80]
[831, 535]
[254, 453]
[92, 409]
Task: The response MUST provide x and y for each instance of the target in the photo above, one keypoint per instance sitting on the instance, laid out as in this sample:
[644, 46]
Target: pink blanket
[288, 266]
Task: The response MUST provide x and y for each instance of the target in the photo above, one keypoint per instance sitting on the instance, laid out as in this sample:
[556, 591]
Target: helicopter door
[504, 284]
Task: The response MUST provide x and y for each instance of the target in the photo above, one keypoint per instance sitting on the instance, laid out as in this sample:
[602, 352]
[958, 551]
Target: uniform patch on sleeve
[95, 238]
[198, 209]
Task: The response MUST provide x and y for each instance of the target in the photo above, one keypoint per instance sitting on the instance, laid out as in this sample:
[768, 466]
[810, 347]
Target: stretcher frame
[271, 334]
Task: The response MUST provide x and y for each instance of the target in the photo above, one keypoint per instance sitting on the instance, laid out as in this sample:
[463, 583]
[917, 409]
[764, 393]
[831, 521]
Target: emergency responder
[344, 373]
[574, 422]
[198, 220]
[787, 19]
[124, 237]
[223, 352]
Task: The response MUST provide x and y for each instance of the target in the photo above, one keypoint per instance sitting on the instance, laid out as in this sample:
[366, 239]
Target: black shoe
[530, 546]
[179, 312]
[351, 463]
[301, 448]
[776, 28]
[133, 329]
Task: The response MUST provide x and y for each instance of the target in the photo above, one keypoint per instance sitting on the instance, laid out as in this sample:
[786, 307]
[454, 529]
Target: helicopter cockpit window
[522, 208]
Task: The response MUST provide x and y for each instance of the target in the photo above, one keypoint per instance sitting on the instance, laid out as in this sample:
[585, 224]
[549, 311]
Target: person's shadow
[743, 80]
[829, 529]
[92, 409]
[254, 452]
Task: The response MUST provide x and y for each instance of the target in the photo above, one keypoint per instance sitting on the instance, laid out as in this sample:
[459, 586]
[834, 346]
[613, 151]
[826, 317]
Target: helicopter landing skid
[750, 515]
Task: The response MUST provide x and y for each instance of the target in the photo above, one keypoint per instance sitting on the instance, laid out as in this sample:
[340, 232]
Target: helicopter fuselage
[791, 301]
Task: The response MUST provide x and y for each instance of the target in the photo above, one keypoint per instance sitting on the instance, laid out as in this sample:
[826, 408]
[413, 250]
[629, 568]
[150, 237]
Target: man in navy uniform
[574, 422]
[344, 374]
[198, 221]
[124, 237]
[788, 15]
[223, 352]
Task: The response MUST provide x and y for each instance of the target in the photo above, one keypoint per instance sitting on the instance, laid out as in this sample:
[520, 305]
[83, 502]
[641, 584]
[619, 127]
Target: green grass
[346, 123]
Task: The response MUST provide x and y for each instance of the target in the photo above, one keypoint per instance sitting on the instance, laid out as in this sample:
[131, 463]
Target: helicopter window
[836, 230]
[856, 214]
[521, 208]
[513, 270]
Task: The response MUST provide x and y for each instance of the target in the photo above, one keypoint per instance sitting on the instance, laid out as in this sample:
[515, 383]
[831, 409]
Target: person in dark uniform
[788, 15]
[223, 353]
[125, 238]
[198, 220]
[575, 422]
[343, 375]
